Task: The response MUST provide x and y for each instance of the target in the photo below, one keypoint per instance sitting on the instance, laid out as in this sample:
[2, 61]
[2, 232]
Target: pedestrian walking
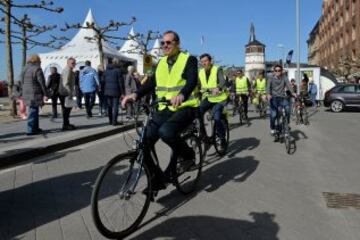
[100, 93]
[113, 90]
[130, 87]
[313, 92]
[53, 90]
[67, 91]
[89, 83]
[34, 92]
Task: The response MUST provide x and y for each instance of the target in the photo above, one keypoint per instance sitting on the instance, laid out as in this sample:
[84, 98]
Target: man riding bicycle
[242, 90]
[175, 80]
[276, 89]
[260, 88]
[214, 94]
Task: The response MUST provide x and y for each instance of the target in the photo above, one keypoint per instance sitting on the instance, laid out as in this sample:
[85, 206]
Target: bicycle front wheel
[188, 172]
[118, 201]
[219, 147]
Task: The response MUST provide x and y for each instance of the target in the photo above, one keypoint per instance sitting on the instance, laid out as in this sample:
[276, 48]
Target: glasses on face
[277, 70]
[163, 43]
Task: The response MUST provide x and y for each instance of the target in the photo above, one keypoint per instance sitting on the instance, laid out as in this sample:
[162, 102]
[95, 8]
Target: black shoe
[37, 132]
[68, 127]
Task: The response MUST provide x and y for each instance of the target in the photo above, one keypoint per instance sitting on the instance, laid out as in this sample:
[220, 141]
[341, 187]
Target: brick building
[336, 35]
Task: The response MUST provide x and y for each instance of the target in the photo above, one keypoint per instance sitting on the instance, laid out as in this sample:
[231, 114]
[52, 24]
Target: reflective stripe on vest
[261, 85]
[169, 84]
[210, 84]
[242, 85]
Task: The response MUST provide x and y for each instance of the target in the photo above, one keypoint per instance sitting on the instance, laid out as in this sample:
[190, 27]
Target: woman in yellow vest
[260, 88]
[213, 86]
[175, 80]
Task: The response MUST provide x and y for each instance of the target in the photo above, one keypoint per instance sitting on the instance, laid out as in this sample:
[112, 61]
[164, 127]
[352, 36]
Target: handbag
[70, 102]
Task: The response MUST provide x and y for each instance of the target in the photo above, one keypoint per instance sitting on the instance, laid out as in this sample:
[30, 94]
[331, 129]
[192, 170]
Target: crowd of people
[73, 87]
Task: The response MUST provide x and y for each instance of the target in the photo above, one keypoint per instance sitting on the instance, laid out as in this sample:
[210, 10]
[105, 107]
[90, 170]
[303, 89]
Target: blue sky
[224, 24]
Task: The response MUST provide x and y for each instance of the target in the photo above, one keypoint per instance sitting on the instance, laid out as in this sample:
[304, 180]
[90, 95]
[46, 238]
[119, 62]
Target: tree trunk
[24, 46]
[101, 51]
[9, 60]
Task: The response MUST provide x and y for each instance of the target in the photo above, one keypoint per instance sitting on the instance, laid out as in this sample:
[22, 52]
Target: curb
[14, 158]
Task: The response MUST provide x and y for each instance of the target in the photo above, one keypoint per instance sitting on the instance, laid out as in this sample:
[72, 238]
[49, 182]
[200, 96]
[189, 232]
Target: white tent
[132, 50]
[81, 49]
[156, 51]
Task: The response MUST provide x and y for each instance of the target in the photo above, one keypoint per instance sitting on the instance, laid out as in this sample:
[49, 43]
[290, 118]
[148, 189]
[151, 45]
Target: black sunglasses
[166, 42]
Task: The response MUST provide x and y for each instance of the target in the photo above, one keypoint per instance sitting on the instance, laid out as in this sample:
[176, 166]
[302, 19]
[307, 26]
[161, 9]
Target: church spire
[252, 33]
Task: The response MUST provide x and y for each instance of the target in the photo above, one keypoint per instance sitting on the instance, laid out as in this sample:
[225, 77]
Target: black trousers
[65, 111]
[168, 125]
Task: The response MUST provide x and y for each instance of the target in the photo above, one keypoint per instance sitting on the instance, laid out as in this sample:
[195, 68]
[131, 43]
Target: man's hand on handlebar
[128, 98]
[215, 91]
[177, 100]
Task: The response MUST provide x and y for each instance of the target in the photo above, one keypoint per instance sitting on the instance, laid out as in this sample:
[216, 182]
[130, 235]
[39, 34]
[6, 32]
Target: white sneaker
[272, 132]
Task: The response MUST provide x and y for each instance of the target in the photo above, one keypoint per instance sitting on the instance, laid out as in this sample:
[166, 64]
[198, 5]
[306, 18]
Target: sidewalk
[16, 146]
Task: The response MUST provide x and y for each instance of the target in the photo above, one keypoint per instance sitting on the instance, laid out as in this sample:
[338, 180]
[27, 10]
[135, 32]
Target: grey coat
[67, 83]
[33, 85]
[130, 84]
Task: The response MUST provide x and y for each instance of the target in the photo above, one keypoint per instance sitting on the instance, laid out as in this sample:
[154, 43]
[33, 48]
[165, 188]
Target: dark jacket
[113, 82]
[53, 84]
[33, 85]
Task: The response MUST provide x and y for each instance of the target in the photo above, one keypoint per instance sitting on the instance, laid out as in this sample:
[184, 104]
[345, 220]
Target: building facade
[254, 56]
[335, 39]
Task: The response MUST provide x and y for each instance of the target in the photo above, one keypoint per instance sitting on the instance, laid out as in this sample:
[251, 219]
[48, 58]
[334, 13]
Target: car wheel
[337, 106]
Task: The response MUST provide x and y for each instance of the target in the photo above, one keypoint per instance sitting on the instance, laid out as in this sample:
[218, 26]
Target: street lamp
[298, 42]
[282, 47]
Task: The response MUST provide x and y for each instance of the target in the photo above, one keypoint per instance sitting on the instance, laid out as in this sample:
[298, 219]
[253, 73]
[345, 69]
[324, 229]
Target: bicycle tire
[286, 134]
[217, 143]
[105, 220]
[187, 179]
[241, 116]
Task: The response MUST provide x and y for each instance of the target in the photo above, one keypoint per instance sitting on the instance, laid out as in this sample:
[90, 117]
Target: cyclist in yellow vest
[242, 90]
[175, 80]
[212, 79]
[259, 87]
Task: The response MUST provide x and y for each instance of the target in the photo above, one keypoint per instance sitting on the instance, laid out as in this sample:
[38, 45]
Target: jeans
[113, 109]
[168, 125]
[79, 97]
[313, 99]
[65, 111]
[89, 102]
[103, 103]
[217, 111]
[54, 100]
[275, 103]
[33, 120]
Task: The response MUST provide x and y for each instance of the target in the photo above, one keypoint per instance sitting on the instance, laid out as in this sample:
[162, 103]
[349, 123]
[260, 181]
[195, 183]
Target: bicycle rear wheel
[188, 172]
[241, 115]
[221, 150]
[118, 201]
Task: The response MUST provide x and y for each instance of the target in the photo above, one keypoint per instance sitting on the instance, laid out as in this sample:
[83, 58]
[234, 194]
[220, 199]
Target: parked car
[342, 96]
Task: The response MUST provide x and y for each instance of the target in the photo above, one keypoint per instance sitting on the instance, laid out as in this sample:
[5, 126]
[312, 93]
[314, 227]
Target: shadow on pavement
[238, 145]
[30, 206]
[298, 135]
[261, 227]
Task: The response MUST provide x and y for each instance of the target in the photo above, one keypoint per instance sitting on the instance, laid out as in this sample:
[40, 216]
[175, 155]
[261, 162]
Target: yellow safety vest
[210, 84]
[241, 85]
[261, 85]
[169, 84]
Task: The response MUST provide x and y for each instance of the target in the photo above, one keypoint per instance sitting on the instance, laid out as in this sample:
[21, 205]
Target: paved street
[256, 191]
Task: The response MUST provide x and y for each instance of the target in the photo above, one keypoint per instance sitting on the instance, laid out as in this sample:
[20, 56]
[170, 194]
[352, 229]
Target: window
[348, 89]
[353, 7]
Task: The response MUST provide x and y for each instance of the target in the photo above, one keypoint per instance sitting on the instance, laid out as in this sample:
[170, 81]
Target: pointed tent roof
[156, 50]
[80, 46]
[130, 48]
